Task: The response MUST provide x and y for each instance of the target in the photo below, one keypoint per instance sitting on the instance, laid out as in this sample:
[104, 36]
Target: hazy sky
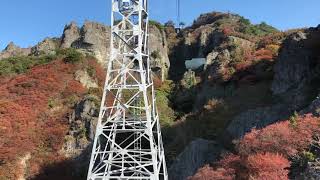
[26, 22]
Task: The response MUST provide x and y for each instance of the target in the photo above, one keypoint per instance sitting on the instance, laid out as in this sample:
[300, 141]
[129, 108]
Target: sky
[26, 22]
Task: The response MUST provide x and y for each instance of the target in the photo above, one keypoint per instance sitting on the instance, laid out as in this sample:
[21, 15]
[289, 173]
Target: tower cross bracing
[128, 141]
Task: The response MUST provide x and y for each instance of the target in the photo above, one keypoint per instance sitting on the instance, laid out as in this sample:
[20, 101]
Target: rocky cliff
[254, 76]
[14, 50]
[250, 80]
[94, 39]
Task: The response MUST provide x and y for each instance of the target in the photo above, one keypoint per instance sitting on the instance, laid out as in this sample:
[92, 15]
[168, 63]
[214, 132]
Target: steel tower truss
[128, 142]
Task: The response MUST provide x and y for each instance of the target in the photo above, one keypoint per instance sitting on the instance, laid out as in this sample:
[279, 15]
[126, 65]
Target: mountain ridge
[254, 78]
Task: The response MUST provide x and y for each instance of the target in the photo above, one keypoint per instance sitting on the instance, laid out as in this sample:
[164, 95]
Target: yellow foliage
[274, 48]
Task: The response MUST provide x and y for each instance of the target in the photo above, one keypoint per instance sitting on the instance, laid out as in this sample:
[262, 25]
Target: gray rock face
[47, 46]
[71, 33]
[82, 127]
[312, 171]
[198, 153]
[256, 118]
[92, 39]
[295, 83]
[292, 67]
[159, 52]
[14, 50]
[84, 78]
[313, 108]
[218, 62]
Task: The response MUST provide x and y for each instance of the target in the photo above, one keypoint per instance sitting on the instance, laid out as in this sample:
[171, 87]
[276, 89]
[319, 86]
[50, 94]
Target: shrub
[170, 23]
[21, 64]
[74, 88]
[263, 54]
[208, 173]
[281, 137]
[257, 30]
[293, 119]
[226, 169]
[70, 55]
[27, 125]
[98, 70]
[227, 31]
[267, 166]
[166, 114]
[52, 103]
[156, 24]
[155, 54]
[274, 48]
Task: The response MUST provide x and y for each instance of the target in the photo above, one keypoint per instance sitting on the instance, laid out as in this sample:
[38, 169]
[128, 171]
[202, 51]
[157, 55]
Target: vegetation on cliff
[34, 103]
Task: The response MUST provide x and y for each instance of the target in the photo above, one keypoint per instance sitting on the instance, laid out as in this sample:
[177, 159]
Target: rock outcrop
[198, 153]
[71, 33]
[295, 84]
[298, 63]
[312, 172]
[94, 39]
[14, 50]
[82, 122]
[313, 108]
[159, 52]
[91, 39]
[256, 118]
[293, 65]
[48, 46]
[84, 78]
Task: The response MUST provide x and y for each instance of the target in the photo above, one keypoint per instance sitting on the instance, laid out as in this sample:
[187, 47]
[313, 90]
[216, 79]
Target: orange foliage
[281, 137]
[265, 54]
[99, 71]
[225, 169]
[263, 154]
[267, 166]
[74, 88]
[228, 31]
[157, 82]
[26, 124]
[242, 66]
[208, 173]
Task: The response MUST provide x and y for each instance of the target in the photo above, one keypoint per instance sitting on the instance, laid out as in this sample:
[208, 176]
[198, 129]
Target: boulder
[198, 153]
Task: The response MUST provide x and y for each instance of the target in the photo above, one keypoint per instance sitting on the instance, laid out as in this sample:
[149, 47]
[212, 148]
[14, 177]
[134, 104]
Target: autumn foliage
[27, 122]
[263, 154]
[267, 166]
[282, 137]
[264, 54]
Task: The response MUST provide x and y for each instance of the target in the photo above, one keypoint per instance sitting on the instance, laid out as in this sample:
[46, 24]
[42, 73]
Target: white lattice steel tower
[128, 143]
